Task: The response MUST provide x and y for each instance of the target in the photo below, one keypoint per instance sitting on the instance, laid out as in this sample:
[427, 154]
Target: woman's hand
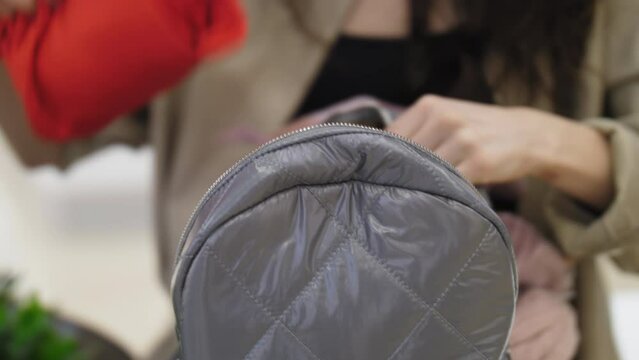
[539, 263]
[493, 144]
[545, 327]
[488, 144]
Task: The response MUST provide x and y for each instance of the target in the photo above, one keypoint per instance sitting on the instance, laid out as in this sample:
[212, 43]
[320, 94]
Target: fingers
[417, 116]
[545, 328]
[437, 124]
[480, 169]
[557, 342]
[536, 348]
[529, 321]
[481, 140]
[453, 151]
[407, 123]
[567, 347]
[428, 122]
[440, 129]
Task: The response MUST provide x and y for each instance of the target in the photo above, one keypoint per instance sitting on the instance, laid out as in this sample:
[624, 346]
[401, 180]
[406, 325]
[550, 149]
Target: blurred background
[82, 241]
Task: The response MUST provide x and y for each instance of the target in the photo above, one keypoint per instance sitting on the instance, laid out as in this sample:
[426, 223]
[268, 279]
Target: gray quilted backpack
[343, 242]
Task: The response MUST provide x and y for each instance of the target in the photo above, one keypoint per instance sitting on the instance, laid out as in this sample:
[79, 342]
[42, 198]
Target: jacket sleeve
[78, 65]
[579, 231]
[34, 151]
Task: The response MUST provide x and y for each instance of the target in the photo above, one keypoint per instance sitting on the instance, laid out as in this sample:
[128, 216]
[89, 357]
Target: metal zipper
[200, 203]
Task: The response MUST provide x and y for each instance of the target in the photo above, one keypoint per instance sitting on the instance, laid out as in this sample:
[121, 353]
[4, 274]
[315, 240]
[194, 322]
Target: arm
[493, 144]
[580, 232]
[80, 64]
[578, 173]
[578, 163]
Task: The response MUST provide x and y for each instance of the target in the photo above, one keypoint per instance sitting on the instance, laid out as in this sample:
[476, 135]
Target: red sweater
[80, 64]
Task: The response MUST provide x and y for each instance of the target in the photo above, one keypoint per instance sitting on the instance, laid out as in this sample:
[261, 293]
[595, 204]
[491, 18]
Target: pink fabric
[246, 135]
[545, 323]
[538, 261]
[545, 327]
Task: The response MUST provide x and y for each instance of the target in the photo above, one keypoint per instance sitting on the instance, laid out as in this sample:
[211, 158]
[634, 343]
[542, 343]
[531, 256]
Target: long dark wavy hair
[522, 31]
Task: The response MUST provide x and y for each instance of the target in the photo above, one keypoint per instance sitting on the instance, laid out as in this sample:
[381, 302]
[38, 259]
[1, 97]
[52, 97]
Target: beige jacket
[261, 85]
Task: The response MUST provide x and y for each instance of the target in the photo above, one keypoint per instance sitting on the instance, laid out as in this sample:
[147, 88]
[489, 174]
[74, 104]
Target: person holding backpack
[539, 93]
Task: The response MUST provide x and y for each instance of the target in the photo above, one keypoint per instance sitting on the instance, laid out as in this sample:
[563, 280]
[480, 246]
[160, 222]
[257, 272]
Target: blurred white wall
[624, 305]
[82, 241]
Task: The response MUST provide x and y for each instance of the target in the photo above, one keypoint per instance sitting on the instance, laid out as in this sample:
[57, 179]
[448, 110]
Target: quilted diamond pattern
[349, 269]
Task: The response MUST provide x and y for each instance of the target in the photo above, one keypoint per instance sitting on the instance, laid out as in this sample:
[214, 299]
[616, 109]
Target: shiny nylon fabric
[344, 243]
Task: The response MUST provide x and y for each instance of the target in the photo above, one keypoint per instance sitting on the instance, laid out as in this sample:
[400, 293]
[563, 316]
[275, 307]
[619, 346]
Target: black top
[401, 70]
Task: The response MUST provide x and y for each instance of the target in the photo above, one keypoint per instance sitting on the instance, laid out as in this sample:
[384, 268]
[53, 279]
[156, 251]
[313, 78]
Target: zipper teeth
[286, 135]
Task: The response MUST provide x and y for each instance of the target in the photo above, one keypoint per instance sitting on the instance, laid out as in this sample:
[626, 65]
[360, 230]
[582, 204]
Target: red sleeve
[81, 64]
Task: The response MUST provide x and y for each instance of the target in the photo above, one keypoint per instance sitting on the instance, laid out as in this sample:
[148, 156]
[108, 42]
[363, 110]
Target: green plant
[27, 331]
